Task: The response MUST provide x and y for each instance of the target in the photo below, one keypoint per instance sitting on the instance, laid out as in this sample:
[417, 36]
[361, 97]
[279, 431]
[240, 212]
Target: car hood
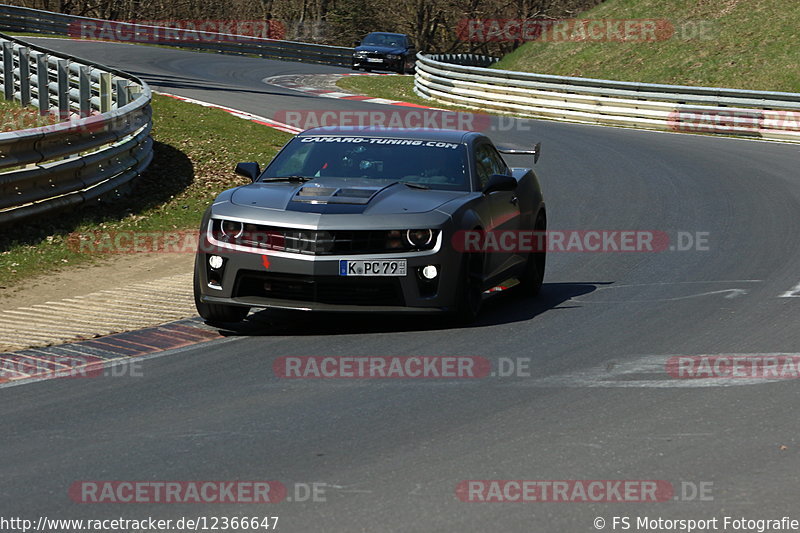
[342, 196]
[380, 49]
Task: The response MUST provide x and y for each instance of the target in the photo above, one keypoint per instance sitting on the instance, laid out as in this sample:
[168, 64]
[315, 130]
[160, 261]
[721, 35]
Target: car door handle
[514, 200]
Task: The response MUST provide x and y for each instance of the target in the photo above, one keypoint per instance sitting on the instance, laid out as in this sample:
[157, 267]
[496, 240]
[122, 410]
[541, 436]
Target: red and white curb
[237, 113]
[93, 357]
[296, 83]
[329, 89]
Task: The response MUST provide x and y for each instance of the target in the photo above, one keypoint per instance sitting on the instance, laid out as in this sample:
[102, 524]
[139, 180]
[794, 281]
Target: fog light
[215, 262]
[430, 272]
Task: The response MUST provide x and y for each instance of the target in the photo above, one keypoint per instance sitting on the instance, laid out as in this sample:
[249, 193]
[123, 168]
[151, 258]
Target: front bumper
[383, 63]
[266, 279]
[296, 305]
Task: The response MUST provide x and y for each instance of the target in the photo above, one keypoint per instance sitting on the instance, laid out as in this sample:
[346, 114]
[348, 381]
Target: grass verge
[732, 43]
[15, 117]
[392, 88]
[195, 151]
[389, 87]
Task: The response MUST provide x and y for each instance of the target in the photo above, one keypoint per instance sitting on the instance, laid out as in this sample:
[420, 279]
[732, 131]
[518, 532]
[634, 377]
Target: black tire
[217, 313]
[533, 275]
[367, 69]
[470, 290]
[354, 67]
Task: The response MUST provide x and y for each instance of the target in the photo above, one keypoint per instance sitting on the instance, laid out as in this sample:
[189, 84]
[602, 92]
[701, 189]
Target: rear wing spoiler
[536, 152]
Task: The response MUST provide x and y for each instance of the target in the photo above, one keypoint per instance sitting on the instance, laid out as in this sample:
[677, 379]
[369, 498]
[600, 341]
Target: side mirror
[356, 43]
[500, 182]
[249, 170]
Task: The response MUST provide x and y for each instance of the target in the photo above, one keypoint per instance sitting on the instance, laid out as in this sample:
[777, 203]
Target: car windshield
[434, 164]
[384, 39]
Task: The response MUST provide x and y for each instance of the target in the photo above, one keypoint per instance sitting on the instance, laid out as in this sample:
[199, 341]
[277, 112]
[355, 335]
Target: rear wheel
[470, 290]
[533, 275]
[216, 313]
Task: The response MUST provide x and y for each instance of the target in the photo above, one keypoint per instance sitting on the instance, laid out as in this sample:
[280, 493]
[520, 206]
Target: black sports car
[347, 219]
[385, 51]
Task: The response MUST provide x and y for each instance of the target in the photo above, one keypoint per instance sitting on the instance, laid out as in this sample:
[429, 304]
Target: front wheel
[470, 290]
[216, 313]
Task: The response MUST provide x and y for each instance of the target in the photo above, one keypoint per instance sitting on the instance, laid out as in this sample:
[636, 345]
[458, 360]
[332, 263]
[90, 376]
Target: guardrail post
[85, 91]
[8, 70]
[123, 97]
[43, 84]
[105, 92]
[49, 170]
[134, 91]
[62, 67]
[24, 76]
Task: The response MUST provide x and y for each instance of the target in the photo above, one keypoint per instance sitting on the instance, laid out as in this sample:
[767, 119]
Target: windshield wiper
[415, 185]
[298, 179]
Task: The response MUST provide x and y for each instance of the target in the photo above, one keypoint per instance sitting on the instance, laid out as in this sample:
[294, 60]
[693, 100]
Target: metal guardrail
[102, 143]
[463, 80]
[20, 19]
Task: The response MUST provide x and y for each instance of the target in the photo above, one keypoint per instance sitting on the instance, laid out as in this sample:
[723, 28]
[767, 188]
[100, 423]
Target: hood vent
[316, 191]
[329, 195]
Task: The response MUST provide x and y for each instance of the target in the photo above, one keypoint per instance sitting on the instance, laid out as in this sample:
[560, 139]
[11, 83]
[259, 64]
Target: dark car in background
[385, 51]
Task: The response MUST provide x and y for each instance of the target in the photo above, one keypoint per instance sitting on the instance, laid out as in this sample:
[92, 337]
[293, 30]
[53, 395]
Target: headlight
[419, 237]
[394, 240]
[392, 56]
[410, 240]
[232, 229]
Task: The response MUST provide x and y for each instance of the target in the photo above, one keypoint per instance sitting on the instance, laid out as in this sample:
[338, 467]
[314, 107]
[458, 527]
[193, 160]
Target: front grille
[316, 242]
[320, 242]
[320, 289]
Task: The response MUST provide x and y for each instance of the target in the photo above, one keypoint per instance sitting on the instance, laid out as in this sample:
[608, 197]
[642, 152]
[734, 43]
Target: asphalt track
[597, 405]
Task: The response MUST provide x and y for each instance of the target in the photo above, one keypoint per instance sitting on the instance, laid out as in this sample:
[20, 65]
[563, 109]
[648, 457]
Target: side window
[483, 164]
[498, 165]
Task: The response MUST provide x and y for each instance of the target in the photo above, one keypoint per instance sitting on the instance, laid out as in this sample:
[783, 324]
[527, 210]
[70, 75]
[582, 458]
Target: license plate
[391, 267]
[374, 60]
